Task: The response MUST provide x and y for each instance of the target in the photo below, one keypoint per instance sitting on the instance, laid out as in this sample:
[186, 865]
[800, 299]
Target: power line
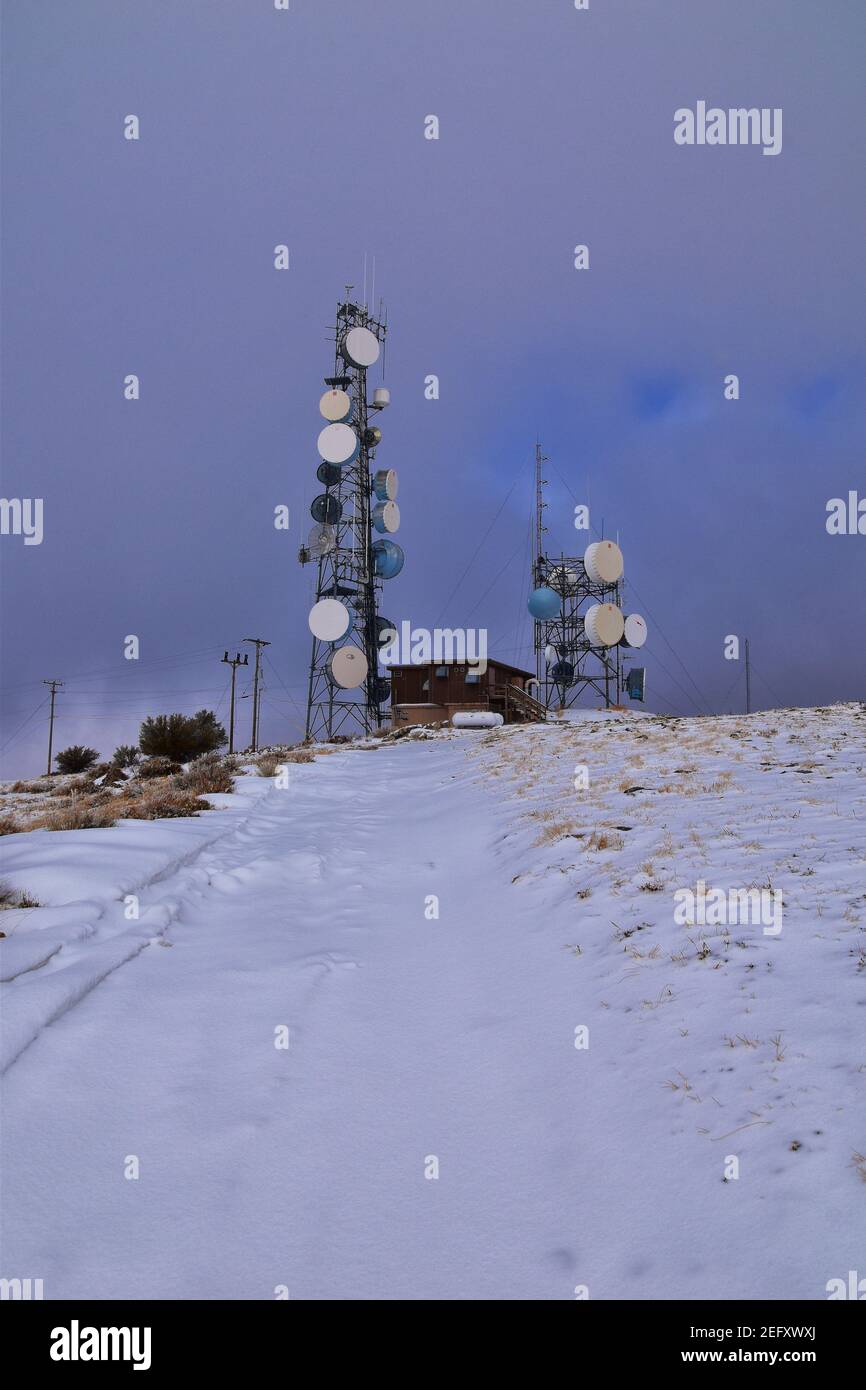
[727, 697]
[21, 727]
[297, 707]
[481, 543]
[495, 578]
[189, 659]
[781, 703]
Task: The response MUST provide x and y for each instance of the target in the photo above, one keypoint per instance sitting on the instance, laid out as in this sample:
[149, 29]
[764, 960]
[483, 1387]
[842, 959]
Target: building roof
[491, 661]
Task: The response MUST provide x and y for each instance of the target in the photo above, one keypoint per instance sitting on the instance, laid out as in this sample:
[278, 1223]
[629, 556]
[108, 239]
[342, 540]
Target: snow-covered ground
[511, 1071]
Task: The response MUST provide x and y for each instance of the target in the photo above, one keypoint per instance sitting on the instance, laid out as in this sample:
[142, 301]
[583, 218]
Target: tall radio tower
[356, 513]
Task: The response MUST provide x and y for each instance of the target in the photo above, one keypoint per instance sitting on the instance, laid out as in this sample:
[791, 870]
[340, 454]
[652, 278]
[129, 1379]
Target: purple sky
[260, 127]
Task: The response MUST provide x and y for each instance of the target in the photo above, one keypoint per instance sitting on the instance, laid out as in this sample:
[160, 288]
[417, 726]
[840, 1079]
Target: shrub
[62, 787]
[180, 736]
[159, 803]
[76, 759]
[8, 825]
[106, 774]
[157, 767]
[207, 774]
[81, 813]
[267, 763]
[127, 755]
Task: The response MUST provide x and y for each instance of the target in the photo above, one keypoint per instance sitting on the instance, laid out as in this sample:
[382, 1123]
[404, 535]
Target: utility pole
[259, 643]
[234, 662]
[54, 685]
[748, 680]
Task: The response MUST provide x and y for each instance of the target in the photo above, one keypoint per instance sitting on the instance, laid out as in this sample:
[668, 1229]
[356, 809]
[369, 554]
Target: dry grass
[161, 802]
[15, 897]
[80, 813]
[268, 763]
[605, 839]
[9, 825]
[558, 830]
[157, 767]
[207, 774]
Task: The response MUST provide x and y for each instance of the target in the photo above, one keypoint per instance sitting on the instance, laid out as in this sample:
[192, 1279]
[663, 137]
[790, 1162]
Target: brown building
[431, 692]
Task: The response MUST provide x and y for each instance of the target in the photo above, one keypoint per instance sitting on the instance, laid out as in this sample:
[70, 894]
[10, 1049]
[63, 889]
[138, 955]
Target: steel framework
[592, 668]
[347, 571]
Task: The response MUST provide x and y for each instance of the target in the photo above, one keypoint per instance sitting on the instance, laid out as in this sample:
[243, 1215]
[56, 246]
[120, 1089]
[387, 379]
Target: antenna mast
[356, 515]
[540, 504]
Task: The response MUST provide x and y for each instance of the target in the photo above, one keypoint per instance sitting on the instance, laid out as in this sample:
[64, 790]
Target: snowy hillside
[430, 1022]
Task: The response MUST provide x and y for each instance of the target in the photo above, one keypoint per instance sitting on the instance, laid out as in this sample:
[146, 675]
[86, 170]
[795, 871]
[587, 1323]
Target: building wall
[403, 715]
[407, 685]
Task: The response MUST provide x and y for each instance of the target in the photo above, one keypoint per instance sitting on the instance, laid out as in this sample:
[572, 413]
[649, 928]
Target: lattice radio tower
[355, 514]
[580, 629]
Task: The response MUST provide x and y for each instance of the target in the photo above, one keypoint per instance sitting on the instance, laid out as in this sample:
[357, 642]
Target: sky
[260, 127]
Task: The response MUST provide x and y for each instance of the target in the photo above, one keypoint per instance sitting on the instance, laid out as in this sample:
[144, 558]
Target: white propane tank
[476, 719]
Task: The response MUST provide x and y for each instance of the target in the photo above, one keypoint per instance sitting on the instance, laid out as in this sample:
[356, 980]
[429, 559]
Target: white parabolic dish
[635, 630]
[321, 540]
[603, 624]
[329, 620]
[348, 667]
[603, 562]
[389, 514]
[335, 406]
[338, 444]
[386, 484]
[361, 347]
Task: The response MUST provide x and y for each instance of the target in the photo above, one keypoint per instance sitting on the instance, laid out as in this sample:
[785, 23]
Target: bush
[106, 774]
[207, 774]
[76, 759]
[159, 803]
[62, 787]
[181, 737]
[9, 825]
[127, 755]
[267, 763]
[157, 767]
[80, 814]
